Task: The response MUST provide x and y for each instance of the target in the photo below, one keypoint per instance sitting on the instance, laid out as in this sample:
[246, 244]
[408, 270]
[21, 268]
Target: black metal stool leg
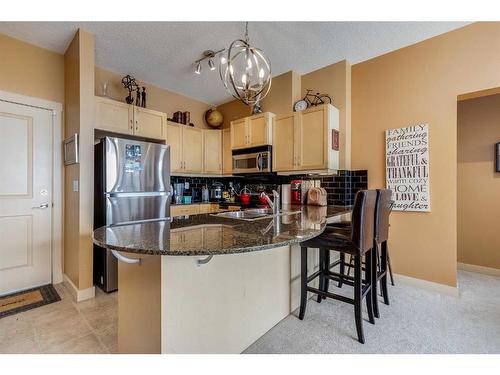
[349, 266]
[303, 282]
[358, 292]
[327, 269]
[389, 264]
[374, 275]
[342, 269]
[368, 282]
[383, 280]
[322, 270]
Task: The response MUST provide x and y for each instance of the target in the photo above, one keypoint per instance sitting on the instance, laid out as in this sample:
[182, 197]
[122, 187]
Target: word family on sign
[407, 167]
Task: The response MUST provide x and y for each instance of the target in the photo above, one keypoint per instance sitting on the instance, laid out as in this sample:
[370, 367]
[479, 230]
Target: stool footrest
[331, 295]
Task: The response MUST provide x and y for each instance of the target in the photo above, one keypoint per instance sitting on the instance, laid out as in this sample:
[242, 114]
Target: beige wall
[79, 118]
[157, 99]
[478, 183]
[416, 84]
[285, 90]
[71, 172]
[29, 70]
[335, 80]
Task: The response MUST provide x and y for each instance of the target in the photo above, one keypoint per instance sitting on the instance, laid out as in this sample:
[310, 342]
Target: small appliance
[216, 191]
[296, 191]
[178, 193]
[205, 196]
[255, 160]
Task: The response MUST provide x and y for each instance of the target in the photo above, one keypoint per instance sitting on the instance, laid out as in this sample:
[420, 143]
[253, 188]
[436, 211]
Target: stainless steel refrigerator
[131, 184]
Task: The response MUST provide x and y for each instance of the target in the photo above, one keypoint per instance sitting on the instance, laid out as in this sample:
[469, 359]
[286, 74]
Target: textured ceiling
[162, 53]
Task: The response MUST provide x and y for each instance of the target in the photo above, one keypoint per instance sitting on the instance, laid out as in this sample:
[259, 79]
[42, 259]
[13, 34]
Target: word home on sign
[407, 167]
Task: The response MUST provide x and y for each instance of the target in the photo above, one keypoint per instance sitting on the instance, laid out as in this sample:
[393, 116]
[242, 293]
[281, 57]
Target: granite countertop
[206, 234]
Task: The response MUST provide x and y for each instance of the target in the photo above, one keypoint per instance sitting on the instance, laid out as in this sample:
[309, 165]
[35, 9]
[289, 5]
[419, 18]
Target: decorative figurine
[129, 83]
[143, 103]
[138, 97]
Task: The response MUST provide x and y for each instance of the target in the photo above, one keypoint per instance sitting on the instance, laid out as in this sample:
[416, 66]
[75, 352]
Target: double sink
[253, 214]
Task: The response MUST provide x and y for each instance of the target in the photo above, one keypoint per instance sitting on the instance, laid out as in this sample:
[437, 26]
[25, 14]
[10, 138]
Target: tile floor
[63, 327]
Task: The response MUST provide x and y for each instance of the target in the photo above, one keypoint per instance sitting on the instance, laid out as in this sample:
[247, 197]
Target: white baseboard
[428, 285]
[78, 295]
[479, 269]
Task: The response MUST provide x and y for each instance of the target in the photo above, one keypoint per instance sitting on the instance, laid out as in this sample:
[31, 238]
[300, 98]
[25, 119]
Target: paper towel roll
[285, 194]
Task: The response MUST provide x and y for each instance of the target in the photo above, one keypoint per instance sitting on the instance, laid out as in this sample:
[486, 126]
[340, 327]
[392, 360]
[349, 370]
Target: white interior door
[25, 197]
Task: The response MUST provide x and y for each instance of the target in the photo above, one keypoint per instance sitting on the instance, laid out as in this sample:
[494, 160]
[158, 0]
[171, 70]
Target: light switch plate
[75, 185]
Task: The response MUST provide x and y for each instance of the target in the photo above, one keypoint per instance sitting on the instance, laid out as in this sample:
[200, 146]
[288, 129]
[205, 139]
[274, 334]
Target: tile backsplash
[341, 188]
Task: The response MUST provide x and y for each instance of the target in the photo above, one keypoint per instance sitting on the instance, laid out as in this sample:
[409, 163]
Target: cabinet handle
[136, 125]
[131, 125]
[201, 262]
[124, 259]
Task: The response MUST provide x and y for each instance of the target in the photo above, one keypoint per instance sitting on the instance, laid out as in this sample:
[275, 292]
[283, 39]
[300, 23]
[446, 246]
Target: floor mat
[27, 299]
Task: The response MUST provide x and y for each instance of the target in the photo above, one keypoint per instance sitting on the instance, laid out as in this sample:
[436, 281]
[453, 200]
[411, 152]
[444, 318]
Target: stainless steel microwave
[252, 160]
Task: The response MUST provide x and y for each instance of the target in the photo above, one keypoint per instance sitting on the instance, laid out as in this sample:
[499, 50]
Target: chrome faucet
[275, 206]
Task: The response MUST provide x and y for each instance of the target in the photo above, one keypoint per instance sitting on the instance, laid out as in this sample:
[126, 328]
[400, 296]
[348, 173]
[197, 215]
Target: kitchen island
[207, 283]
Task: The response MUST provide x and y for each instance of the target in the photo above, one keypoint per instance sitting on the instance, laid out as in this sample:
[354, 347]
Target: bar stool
[358, 243]
[383, 208]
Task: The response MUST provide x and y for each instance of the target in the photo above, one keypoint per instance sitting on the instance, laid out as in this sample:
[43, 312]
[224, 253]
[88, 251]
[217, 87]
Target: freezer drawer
[128, 208]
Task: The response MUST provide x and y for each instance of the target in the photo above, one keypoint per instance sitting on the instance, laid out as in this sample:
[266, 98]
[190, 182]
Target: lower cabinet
[184, 210]
[194, 209]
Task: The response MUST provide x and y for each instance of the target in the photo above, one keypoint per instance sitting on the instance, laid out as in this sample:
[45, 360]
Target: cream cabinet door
[114, 116]
[148, 123]
[193, 238]
[284, 148]
[227, 156]
[192, 149]
[212, 146]
[312, 136]
[174, 139]
[184, 210]
[239, 133]
[258, 130]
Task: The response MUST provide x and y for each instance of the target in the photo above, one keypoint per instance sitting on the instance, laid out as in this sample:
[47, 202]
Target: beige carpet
[417, 321]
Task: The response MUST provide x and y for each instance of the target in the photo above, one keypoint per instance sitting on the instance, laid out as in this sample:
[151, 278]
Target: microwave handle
[259, 161]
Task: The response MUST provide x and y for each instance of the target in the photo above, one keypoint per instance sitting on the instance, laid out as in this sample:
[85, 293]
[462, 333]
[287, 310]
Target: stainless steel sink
[253, 214]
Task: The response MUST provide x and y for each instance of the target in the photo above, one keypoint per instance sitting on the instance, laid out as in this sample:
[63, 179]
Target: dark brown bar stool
[383, 210]
[383, 207]
[358, 243]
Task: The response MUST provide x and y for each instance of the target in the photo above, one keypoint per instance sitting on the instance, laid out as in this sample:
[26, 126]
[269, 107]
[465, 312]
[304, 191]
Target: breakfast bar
[210, 283]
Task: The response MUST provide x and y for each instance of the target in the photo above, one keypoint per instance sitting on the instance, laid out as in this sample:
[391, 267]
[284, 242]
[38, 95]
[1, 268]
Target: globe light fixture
[246, 72]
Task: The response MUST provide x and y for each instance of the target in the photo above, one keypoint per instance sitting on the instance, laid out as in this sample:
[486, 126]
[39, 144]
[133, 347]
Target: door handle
[42, 206]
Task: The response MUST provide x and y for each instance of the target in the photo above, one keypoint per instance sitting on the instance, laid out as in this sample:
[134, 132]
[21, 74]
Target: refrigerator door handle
[140, 194]
[124, 259]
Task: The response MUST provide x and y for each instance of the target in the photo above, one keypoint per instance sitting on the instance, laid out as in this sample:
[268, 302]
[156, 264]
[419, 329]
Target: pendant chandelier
[245, 71]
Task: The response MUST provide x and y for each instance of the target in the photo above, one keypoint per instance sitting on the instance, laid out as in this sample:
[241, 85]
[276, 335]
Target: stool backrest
[362, 220]
[383, 209]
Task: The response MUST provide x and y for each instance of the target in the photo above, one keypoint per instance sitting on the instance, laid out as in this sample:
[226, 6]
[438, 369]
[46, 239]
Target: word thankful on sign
[407, 167]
